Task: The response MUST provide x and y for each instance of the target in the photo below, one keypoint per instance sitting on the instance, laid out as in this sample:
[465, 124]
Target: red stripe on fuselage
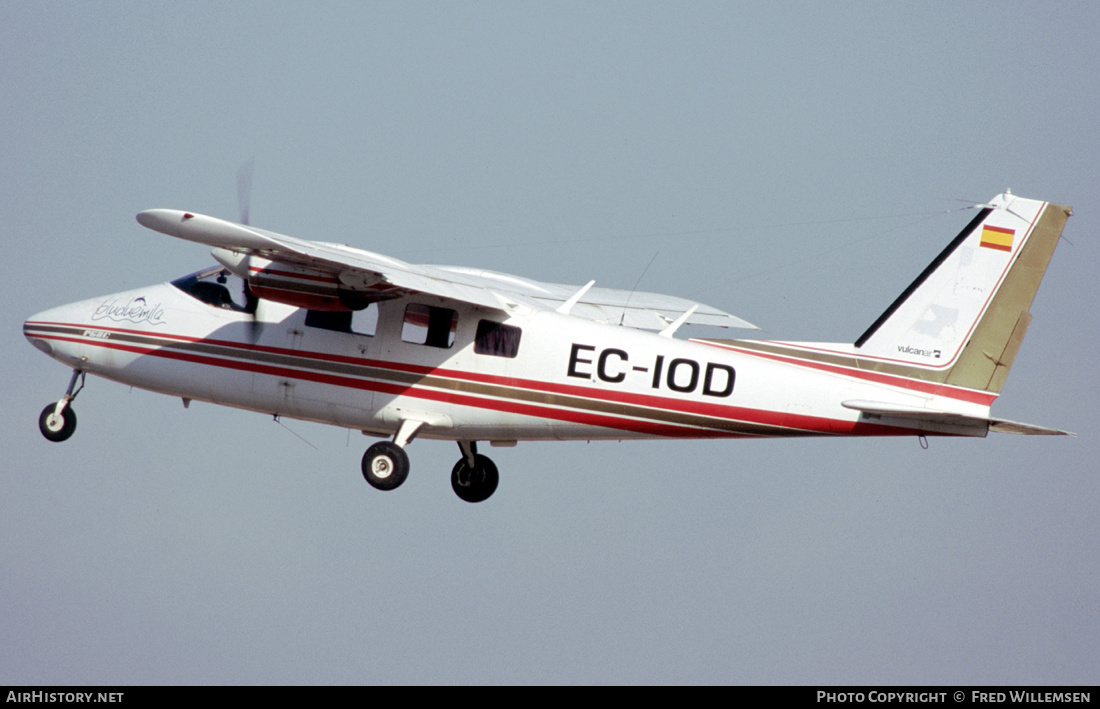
[797, 424]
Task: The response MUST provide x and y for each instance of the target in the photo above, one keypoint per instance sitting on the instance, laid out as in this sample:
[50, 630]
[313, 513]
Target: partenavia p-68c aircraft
[337, 335]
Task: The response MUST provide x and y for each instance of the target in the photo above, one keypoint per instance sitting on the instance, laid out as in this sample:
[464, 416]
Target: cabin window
[497, 339]
[356, 322]
[218, 287]
[429, 325]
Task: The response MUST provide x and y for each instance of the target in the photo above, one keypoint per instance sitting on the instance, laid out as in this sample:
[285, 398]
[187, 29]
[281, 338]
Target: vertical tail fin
[966, 314]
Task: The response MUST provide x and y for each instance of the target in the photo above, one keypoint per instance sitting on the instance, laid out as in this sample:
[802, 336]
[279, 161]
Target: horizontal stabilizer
[1003, 426]
[937, 420]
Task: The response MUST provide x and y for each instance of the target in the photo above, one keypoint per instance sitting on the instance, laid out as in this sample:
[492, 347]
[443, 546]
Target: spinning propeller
[244, 189]
[244, 199]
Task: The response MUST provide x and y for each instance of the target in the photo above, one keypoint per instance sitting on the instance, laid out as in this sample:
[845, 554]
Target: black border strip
[967, 231]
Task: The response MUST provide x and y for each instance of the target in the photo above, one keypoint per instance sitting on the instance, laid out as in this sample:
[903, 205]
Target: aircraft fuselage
[564, 379]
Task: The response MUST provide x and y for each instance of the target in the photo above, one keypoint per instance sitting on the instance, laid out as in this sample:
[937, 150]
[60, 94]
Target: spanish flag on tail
[995, 237]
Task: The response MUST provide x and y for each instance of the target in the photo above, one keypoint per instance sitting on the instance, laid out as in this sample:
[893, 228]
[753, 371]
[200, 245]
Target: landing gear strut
[386, 465]
[57, 422]
[474, 477]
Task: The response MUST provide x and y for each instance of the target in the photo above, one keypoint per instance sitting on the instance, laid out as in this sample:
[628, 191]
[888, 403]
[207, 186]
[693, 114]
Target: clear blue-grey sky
[796, 164]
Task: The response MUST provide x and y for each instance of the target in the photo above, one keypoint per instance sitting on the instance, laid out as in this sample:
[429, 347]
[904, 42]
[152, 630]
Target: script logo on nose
[135, 310]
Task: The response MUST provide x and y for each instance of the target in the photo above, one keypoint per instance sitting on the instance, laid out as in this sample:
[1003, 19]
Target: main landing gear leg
[386, 464]
[474, 477]
[58, 421]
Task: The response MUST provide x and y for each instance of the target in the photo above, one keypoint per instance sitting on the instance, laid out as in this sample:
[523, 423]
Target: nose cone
[61, 332]
[43, 329]
[35, 339]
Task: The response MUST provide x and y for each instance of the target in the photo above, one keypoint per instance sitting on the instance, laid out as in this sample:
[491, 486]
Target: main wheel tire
[57, 427]
[475, 484]
[385, 465]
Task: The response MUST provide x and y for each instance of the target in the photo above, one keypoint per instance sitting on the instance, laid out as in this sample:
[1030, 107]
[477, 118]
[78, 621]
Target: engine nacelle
[299, 286]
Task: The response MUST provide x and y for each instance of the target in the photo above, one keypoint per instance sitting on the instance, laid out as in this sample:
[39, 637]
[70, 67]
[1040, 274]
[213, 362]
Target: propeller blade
[254, 325]
[244, 188]
[254, 329]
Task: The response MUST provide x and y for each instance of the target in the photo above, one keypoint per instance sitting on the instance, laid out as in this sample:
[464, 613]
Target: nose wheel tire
[477, 483]
[57, 427]
[385, 465]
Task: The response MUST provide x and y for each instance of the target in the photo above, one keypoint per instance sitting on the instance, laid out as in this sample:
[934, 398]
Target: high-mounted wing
[369, 273]
[647, 311]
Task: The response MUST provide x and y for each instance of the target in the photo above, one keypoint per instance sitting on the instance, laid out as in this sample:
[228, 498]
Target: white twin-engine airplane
[341, 336]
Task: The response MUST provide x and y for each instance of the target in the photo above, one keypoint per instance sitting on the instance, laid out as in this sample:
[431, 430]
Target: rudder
[966, 314]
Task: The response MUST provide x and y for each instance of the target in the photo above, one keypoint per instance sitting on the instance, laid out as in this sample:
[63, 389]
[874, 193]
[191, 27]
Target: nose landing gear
[57, 422]
[57, 426]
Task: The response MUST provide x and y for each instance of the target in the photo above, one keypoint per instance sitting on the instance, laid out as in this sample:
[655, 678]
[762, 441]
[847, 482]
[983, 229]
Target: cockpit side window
[218, 287]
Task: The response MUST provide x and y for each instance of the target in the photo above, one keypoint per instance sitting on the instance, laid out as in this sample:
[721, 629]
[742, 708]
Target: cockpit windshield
[218, 287]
